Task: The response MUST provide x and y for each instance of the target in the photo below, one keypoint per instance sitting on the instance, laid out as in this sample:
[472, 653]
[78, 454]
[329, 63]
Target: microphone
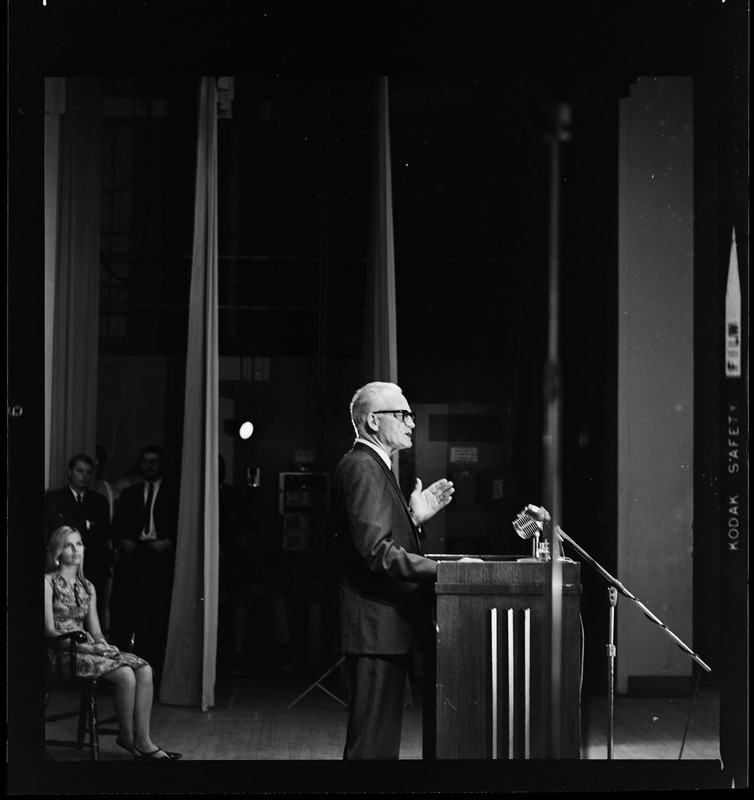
[526, 526]
[529, 522]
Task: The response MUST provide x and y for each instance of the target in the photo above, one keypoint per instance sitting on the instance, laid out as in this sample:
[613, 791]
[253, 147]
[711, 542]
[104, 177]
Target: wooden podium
[488, 683]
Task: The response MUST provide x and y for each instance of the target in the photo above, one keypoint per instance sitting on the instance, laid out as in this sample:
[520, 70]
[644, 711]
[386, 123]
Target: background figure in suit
[144, 533]
[88, 512]
[249, 571]
[108, 490]
[381, 569]
[235, 563]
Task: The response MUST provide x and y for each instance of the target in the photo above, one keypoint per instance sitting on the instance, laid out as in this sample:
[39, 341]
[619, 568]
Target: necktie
[79, 500]
[148, 509]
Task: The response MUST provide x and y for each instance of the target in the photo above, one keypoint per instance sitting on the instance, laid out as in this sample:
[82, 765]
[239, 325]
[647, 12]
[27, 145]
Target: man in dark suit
[381, 569]
[87, 511]
[250, 566]
[144, 533]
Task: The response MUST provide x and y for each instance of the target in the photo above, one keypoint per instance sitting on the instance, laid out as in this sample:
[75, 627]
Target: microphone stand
[617, 586]
[612, 594]
[622, 589]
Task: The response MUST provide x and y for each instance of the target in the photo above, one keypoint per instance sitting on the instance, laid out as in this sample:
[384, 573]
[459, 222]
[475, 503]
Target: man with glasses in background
[144, 534]
[383, 616]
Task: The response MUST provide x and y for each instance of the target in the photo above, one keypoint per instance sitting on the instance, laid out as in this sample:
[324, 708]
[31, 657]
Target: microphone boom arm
[622, 589]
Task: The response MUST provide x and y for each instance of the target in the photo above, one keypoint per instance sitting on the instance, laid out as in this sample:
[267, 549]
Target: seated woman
[71, 605]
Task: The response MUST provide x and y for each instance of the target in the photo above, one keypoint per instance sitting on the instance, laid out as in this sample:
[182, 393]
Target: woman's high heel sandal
[155, 755]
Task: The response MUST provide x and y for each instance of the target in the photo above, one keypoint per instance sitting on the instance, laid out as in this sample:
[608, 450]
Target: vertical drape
[189, 672]
[54, 109]
[552, 456]
[73, 393]
[380, 354]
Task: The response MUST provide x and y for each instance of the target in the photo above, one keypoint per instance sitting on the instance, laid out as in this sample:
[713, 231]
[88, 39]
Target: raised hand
[425, 503]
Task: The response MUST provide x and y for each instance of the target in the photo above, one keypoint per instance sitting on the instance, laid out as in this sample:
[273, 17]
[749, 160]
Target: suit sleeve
[378, 523]
[166, 513]
[124, 525]
[102, 521]
[53, 513]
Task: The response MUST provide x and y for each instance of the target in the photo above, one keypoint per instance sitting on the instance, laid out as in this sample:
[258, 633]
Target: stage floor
[263, 736]
[252, 720]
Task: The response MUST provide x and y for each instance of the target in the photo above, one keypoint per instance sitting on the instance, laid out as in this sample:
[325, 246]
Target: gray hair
[364, 399]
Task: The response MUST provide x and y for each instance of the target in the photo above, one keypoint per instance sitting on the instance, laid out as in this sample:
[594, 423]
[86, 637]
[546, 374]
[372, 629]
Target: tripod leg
[334, 697]
[318, 681]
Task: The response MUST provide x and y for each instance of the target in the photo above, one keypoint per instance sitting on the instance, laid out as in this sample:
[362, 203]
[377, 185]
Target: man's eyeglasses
[405, 415]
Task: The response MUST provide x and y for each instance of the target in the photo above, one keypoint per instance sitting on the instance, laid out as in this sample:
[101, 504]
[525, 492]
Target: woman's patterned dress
[70, 605]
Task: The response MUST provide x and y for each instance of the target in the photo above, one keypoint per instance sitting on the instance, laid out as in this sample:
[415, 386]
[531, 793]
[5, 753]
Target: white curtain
[72, 295]
[189, 672]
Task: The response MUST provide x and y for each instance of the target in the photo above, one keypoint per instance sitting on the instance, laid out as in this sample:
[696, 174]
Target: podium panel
[489, 678]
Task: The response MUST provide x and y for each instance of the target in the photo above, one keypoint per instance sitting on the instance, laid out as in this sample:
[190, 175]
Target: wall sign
[464, 455]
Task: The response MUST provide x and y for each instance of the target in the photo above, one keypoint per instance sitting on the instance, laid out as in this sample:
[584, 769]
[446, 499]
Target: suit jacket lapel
[388, 472]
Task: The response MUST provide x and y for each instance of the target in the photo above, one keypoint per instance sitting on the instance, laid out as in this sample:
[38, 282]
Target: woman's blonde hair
[55, 547]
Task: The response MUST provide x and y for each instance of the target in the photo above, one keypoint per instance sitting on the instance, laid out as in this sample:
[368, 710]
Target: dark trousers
[140, 605]
[375, 713]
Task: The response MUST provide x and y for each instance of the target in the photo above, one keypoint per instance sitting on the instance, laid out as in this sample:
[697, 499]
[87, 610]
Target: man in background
[108, 490]
[144, 533]
[250, 565]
